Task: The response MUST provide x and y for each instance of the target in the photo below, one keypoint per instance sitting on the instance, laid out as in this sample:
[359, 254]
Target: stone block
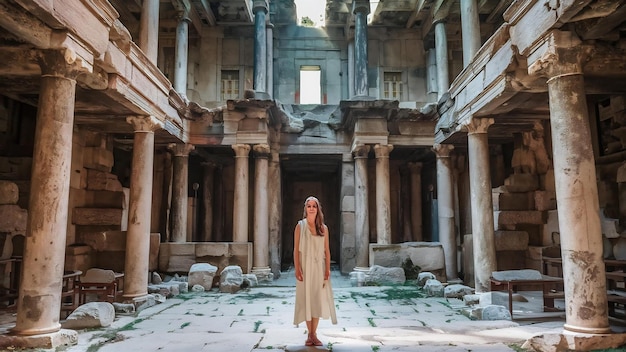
[9, 192]
[13, 219]
[212, 249]
[610, 227]
[521, 183]
[180, 263]
[517, 217]
[97, 158]
[104, 240]
[535, 233]
[105, 199]
[347, 203]
[512, 201]
[427, 255]
[510, 260]
[96, 216]
[77, 249]
[102, 181]
[551, 230]
[183, 248]
[548, 181]
[511, 240]
[545, 200]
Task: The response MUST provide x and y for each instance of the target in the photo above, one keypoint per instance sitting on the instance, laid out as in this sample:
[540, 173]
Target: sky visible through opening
[313, 9]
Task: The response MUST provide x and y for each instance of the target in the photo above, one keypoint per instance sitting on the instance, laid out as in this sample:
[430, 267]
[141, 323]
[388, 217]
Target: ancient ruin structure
[150, 135]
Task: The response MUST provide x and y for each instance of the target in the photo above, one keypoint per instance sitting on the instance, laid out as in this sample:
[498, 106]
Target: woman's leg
[309, 326]
[313, 333]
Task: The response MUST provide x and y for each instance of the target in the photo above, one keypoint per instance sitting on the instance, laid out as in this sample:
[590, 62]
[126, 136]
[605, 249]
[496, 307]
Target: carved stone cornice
[145, 123]
[559, 53]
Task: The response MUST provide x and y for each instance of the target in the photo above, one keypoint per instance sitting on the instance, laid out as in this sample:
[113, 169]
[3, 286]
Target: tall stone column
[383, 194]
[149, 29]
[208, 185]
[270, 59]
[360, 8]
[415, 170]
[576, 189]
[361, 209]
[470, 30]
[261, 214]
[218, 219]
[44, 247]
[445, 208]
[180, 191]
[484, 248]
[351, 71]
[182, 49]
[240, 212]
[275, 209]
[140, 204]
[260, 9]
[441, 50]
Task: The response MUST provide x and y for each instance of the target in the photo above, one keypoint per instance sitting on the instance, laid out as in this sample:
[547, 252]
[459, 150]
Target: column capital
[559, 53]
[181, 149]
[63, 63]
[360, 151]
[382, 150]
[182, 10]
[415, 167]
[261, 150]
[442, 150]
[145, 123]
[477, 125]
[259, 5]
[241, 150]
[361, 6]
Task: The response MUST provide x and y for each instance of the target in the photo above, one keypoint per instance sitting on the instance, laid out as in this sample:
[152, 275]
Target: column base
[574, 341]
[63, 337]
[263, 274]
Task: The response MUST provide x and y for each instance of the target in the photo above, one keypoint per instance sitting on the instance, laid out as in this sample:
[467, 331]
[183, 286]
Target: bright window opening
[310, 85]
[230, 85]
[392, 85]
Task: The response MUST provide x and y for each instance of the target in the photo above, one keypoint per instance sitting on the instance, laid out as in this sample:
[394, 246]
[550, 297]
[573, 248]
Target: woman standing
[311, 254]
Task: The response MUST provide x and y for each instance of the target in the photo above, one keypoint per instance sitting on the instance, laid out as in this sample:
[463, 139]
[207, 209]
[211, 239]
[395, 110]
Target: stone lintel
[97, 216]
[512, 201]
[503, 218]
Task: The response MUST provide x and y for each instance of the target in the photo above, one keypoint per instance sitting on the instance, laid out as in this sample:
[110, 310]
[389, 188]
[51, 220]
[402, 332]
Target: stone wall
[179, 257]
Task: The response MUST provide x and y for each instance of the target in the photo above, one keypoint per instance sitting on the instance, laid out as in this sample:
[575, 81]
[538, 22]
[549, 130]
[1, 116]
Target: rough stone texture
[91, 315]
[511, 201]
[423, 277]
[551, 232]
[504, 218]
[426, 255]
[13, 219]
[250, 280]
[202, 274]
[511, 240]
[97, 216]
[494, 312]
[179, 257]
[63, 337]
[231, 279]
[524, 274]
[433, 288]
[385, 276]
[102, 181]
[97, 158]
[545, 200]
[610, 227]
[9, 192]
[574, 342]
[457, 291]
[518, 183]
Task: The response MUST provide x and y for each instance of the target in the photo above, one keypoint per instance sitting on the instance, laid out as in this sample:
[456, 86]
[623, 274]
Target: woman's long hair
[319, 218]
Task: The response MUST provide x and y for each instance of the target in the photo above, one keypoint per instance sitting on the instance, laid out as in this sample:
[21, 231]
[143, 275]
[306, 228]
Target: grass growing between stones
[112, 335]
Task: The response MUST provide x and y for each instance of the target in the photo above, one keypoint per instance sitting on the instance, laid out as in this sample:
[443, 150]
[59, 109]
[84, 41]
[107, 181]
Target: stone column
[484, 248]
[137, 260]
[360, 8]
[208, 185]
[361, 210]
[218, 219]
[260, 9]
[261, 214]
[240, 212]
[383, 194]
[445, 208]
[351, 69]
[576, 188]
[441, 49]
[416, 200]
[44, 247]
[149, 29]
[182, 48]
[470, 30]
[275, 209]
[270, 59]
[180, 191]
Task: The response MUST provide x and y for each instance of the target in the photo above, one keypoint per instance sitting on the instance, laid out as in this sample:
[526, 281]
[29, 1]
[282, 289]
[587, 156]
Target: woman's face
[311, 207]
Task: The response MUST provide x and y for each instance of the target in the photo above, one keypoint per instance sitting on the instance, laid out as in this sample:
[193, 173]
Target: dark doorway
[304, 176]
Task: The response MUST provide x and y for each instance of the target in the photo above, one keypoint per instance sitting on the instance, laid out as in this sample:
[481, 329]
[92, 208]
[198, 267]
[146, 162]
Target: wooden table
[547, 284]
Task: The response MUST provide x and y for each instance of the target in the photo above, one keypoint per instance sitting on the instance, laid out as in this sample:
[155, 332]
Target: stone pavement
[261, 319]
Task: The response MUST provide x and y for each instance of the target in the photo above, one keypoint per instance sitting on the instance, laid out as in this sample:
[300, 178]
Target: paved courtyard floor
[382, 318]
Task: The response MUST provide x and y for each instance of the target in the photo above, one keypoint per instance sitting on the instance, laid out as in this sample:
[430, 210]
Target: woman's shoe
[316, 341]
[309, 342]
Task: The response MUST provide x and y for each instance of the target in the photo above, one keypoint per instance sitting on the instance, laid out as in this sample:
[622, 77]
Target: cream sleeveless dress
[314, 299]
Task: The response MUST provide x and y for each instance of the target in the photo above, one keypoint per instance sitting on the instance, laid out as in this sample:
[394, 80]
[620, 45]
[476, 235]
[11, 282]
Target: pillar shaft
[383, 194]
[240, 211]
[576, 190]
[275, 208]
[208, 185]
[137, 260]
[351, 71]
[261, 213]
[470, 30]
[182, 48]
[441, 50]
[360, 10]
[415, 170]
[482, 203]
[180, 191]
[39, 300]
[260, 45]
[149, 29]
[270, 59]
[362, 229]
[445, 208]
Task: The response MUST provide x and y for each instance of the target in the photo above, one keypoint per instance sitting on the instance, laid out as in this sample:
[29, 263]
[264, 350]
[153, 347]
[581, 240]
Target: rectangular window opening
[230, 85]
[392, 88]
[310, 85]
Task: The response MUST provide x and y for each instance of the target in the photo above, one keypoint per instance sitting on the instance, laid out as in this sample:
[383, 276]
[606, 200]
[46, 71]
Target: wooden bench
[552, 288]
